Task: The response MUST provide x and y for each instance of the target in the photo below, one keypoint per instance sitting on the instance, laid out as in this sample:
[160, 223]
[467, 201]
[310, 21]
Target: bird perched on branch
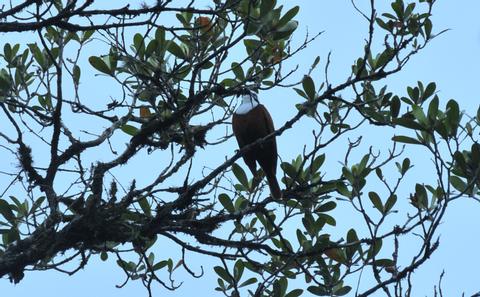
[252, 121]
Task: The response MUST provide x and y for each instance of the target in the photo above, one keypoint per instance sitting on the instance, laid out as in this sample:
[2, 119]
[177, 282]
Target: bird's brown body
[248, 128]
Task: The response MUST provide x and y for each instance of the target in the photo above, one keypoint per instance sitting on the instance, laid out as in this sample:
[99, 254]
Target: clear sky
[452, 61]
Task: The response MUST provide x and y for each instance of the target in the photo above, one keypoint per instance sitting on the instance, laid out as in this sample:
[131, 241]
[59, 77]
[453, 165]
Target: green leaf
[99, 64]
[405, 165]
[145, 206]
[428, 28]
[238, 270]
[238, 71]
[318, 291]
[207, 65]
[384, 58]
[433, 108]
[182, 72]
[240, 175]
[414, 93]
[288, 16]
[267, 6]
[384, 262]
[390, 203]
[377, 202]
[421, 194]
[309, 87]
[10, 236]
[453, 113]
[160, 265]
[289, 169]
[130, 130]
[295, 293]
[285, 31]
[86, 35]
[395, 107]
[176, 50]
[302, 93]
[326, 218]
[280, 287]
[248, 282]
[419, 115]
[317, 163]
[7, 52]
[5, 83]
[139, 43]
[458, 183]
[240, 203]
[374, 248]
[398, 8]
[36, 204]
[151, 47]
[408, 123]
[38, 55]
[315, 63]
[104, 256]
[330, 205]
[170, 265]
[252, 45]
[76, 74]
[352, 237]
[343, 190]
[6, 211]
[222, 273]
[342, 291]
[384, 25]
[429, 90]
[226, 202]
[405, 139]
[409, 9]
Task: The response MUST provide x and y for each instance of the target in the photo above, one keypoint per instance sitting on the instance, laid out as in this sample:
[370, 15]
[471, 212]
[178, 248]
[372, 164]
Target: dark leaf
[295, 293]
[222, 273]
[318, 291]
[176, 50]
[288, 16]
[330, 205]
[145, 206]
[104, 256]
[76, 74]
[249, 281]
[238, 270]
[342, 291]
[6, 211]
[390, 203]
[130, 130]
[405, 139]
[267, 6]
[240, 175]
[377, 202]
[309, 87]
[238, 71]
[285, 31]
[99, 64]
[226, 202]
[429, 90]
[458, 183]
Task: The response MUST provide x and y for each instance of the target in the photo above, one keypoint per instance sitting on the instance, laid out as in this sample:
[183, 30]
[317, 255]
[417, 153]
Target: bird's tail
[274, 187]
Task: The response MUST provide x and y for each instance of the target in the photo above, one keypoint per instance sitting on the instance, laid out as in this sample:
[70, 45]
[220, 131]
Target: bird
[252, 121]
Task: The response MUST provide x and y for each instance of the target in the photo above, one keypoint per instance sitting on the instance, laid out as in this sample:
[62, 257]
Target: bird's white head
[249, 102]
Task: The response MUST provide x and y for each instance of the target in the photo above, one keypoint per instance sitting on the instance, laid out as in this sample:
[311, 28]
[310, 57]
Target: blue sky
[451, 60]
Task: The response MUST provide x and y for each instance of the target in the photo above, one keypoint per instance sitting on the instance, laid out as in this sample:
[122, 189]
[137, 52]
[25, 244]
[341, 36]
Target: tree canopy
[118, 176]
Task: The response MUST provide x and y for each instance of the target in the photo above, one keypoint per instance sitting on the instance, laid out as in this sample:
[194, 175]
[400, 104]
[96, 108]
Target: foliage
[174, 67]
